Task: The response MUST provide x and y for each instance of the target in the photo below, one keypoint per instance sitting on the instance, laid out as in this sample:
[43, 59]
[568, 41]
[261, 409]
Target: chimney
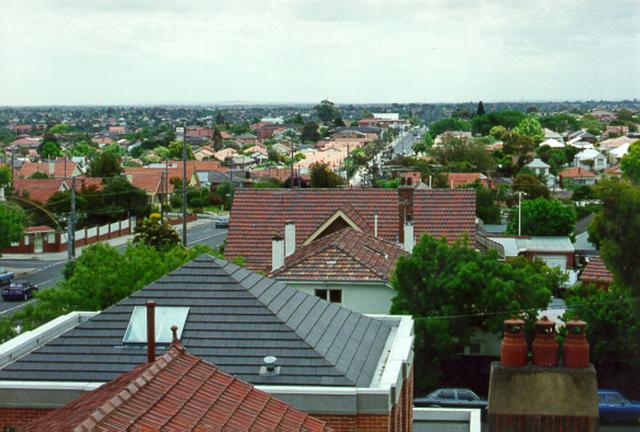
[375, 225]
[289, 238]
[405, 208]
[408, 235]
[151, 331]
[52, 167]
[277, 252]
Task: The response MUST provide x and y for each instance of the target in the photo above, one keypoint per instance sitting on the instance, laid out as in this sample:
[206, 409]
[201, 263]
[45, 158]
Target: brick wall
[15, 418]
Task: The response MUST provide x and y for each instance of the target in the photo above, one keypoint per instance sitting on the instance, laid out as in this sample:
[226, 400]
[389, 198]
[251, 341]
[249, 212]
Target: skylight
[165, 318]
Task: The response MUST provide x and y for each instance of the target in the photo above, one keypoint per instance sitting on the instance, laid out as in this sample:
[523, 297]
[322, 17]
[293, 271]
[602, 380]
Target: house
[225, 153]
[596, 273]
[153, 182]
[463, 179]
[385, 213]
[618, 153]
[576, 176]
[552, 135]
[176, 391]
[198, 131]
[614, 131]
[58, 168]
[247, 139]
[280, 174]
[116, 131]
[202, 153]
[347, 369]
[613, 170]
[242, 162]
[539, 167]
[612, 143]
[212, 179]
[591, 159]
[583, 247]
[553, 143]
[603, 116]
[40, 190]
[554, 251]
[581, 135]
[348, 267]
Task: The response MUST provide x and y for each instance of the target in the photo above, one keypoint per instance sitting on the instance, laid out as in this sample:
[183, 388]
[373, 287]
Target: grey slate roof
[236, 318]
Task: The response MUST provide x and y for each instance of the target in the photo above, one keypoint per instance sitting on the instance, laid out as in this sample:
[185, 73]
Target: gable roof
[464, 178]
[344, 255]
[52, 168]
[236, 318]
[39, 190]
[596, 271]
[179, 391]
[538, 163]
[576, 172]
[259, 214]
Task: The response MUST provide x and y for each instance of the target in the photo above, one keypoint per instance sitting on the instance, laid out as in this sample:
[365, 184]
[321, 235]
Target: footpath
[59, 256]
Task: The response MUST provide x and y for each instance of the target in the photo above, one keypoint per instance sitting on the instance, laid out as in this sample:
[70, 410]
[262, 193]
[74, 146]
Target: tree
[50, 150]
[482, 124]
[326, 111]
[105, 164]
[560, 122]
[615, 230]
[59, 128]
[544, 217]
[454, 290]
[338, 122]
[7, 136]
[449, 124]
[49, 138]
[83, 148]
[5, 176]
[13, 221]
[463, 155]
[423, 145]
[487, 205]
[480, 109]
[630, 163]
[225, 190]
[153, 232]
[121, 198]
[323, 177]
[530, 127]
[39, 175]
[591, 124]
[531, 186]
[613, 325]
[310, 132]
[498, 132]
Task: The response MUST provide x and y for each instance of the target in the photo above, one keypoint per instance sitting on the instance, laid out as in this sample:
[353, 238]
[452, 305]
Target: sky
[105, 52]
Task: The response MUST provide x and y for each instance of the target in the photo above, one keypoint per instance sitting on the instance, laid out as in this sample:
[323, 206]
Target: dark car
[451, 398]
[19, 290]
[615, 408]
[222, 222]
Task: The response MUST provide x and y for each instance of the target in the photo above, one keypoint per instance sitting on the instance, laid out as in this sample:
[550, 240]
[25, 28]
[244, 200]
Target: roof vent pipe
[270, 368]
[151, 331]
[289, 238]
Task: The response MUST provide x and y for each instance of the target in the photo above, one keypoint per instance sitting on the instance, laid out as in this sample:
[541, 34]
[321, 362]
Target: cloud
[143, 51]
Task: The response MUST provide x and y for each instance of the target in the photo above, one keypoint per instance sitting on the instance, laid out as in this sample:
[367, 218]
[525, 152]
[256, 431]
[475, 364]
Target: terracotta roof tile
[178, 392]
[575, 172]
[259, 214]
[39, 190]
[595, 271]
[346, 255]
[52, 169]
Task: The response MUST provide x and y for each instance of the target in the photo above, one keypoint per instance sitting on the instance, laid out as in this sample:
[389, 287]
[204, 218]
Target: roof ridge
[101, 412]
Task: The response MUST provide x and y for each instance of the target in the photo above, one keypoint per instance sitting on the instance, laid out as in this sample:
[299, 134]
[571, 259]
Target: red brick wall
[17, 417]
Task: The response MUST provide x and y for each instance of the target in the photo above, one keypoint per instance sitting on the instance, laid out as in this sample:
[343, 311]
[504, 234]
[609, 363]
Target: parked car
[451, 398]
[19, 290]
[222, 222]
[615, 408]
[5, 276]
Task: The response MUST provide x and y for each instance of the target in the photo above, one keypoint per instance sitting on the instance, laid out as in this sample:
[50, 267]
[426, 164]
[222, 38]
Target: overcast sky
[206, 51]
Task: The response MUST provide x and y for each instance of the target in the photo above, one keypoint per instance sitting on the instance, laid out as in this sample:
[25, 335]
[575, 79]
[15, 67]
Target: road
[46, 273]
[403, 145]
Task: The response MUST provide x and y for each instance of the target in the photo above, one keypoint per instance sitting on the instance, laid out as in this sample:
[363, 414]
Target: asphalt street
[46, 273]
[404, 144]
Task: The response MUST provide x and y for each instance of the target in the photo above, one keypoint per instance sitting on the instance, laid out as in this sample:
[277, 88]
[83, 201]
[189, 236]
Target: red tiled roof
[346, 254]
[575, 172]
[258, 214]
[150, 181]
[178, 392]
[37, 189]
[595, 271]
[463, 178]
[28, 168]
[38, 228]
[175, 168]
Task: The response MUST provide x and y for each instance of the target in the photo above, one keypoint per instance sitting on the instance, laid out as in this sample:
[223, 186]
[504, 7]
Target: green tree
[449, 124]
[560, 122]
[59, 128]
[310, 132]
[480, 109]
[498, 132]
[531, 128]
[39, 175]
[630, 163]
[226, 190]
[83, 148]
[50, 150]
[323, 177]
[482, 124]
[326, 111]
[544, 217]
[176, 151]
[487, 203]
[454, 290]
[13, 221]
[121, 198]
[424, 144]
[615, 230]
[463, 155]
[115, 149]
[105, 164]
[531, 186]
[5, 176]
[591, 124]
[153, 232]
[7, 136]
[613, 324]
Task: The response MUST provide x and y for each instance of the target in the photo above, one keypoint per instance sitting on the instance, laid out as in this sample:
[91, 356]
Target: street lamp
[520, 193]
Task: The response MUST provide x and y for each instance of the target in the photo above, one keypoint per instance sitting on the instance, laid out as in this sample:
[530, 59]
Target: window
[165, 318]
[466, 395]
[614, 399]
[333, 296]
[447, 394]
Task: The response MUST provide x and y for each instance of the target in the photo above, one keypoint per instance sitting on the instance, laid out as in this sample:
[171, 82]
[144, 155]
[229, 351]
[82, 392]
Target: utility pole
[291, 163]
[71, 229]
[161, 196]
[184, 192]
[520, 193]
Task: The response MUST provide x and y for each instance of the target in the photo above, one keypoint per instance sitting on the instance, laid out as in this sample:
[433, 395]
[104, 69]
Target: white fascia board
[49, 385]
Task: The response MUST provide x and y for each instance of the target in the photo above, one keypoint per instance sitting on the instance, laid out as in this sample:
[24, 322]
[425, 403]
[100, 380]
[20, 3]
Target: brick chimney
[151, 331]
[405, 208]
[543, 396]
